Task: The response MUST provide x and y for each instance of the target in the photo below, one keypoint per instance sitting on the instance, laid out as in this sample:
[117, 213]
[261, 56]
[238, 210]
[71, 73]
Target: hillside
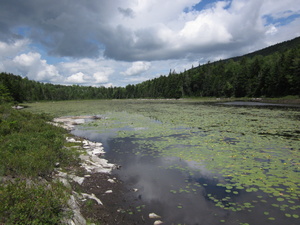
[271, 72]
[280, 47]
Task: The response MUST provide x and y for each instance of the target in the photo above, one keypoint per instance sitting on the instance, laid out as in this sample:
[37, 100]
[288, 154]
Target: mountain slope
[280, 47]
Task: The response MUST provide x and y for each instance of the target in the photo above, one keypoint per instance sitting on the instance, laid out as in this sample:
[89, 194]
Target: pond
[204, 164]
[254, 103]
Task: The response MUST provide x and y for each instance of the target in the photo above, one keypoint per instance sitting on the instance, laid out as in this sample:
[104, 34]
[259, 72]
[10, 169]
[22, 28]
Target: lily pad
[256, 157]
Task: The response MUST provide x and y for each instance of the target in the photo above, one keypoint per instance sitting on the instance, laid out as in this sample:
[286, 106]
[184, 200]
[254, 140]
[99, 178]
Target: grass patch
[30, 148]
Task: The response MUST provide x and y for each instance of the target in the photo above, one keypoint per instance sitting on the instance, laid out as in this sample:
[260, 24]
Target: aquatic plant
[252, 151]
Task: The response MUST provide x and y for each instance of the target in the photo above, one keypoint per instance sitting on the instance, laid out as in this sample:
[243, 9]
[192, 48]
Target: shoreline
[97, 195]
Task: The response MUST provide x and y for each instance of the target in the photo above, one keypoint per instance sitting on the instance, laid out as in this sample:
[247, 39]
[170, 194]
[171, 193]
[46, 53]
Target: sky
[120, 42]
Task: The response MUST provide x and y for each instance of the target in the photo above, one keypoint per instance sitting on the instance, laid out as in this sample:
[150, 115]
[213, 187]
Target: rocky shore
[96, 195]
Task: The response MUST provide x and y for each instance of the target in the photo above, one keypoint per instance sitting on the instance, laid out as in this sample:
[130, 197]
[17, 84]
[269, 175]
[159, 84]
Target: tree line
[271, 72]
[274, 75]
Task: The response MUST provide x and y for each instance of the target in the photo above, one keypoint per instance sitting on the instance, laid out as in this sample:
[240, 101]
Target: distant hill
[271, 72]
[280, 47]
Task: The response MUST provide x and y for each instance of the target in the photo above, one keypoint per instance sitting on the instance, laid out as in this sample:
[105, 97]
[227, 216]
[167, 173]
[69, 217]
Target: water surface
[190, 175]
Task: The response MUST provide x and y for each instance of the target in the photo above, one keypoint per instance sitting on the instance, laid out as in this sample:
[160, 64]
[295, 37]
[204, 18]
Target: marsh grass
[29, 150]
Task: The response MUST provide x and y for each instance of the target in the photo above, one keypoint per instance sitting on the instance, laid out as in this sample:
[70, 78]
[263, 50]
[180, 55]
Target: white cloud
[137, 68]
[102, 77]
[96, 71]
[280, 9]
[209, 27]
[104, 40]
[9, 50]
[78, 78]
[31, 65]
[109, 85]
[176, 34]
[283, 33]
[272, 30]
[27, 60]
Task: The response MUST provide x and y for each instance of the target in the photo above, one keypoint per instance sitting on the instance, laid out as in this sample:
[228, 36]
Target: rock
[120, 210]
[92, 196]
[158, 222]
[97, 151]
[65, 182]
[18, 107]
[77, 217]
[77, 179]
[72, 140]
[62, 174]
[90, 161]
[78, 121]
[111, 181]
[154, 216]
[94, 164]
[117, 167]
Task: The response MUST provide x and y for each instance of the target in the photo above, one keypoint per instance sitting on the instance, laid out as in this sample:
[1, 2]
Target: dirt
[118, 207]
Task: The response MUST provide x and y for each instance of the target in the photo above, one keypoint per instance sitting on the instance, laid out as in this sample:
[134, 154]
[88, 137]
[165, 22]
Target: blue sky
[121, 42]
[282, 21]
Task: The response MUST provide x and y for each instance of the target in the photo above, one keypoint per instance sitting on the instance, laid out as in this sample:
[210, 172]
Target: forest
[270, 72]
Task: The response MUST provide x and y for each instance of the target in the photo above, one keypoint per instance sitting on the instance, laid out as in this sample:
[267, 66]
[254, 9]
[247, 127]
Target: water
[181, 192]
[157, 181]
[262, 104]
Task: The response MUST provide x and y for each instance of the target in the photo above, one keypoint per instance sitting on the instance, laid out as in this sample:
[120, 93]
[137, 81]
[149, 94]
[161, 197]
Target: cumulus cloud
[153, 31]
[209, 27]
[9, 50]
[137, 68]
[34, 67]
[92, 71]
[101, 41]
[208, 30]
[78, 78]
[102, 77]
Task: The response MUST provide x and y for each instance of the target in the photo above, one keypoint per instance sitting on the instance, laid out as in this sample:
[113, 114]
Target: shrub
[30, 148]
[32, 203]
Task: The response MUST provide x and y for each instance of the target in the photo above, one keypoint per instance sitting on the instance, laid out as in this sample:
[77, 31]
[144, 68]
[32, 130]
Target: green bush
[32, 203]
[30, 148]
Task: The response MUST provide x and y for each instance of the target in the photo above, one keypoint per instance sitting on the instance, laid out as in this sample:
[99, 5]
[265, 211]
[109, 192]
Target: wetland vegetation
[29, 151]
[242, 163]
